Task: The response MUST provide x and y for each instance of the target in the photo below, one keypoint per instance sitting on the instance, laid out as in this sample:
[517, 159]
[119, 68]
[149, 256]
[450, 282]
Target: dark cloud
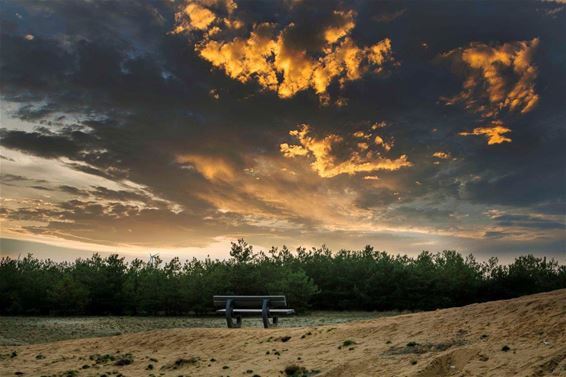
[11, 179]
[120, 195]
[41, 145]
[113, 94]
[527, 221]
[72, 190]
[42, 188]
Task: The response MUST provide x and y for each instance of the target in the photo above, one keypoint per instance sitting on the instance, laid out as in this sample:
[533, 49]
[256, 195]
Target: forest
[315, 279]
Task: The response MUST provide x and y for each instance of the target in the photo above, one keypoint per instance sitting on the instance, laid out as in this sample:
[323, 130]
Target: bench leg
[229, 321]
[265, 313]
[275, 321]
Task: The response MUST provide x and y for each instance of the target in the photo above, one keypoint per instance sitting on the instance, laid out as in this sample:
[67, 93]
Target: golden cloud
[498, 78]
[441, 155]
[274, 191]
[211, 167]
[371, 178]
[494, 134]
[379, 141]
[327, 164]
[266, 56]
[194, 16]
[333, 33]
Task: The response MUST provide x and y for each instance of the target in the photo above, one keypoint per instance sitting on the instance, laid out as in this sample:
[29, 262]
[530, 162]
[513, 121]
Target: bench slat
[255, 311]
[250, 301]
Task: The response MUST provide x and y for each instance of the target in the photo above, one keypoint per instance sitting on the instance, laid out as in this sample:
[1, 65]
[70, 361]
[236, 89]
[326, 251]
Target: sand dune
[519, 337]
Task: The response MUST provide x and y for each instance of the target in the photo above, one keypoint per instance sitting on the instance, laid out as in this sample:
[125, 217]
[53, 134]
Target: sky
[177, 127]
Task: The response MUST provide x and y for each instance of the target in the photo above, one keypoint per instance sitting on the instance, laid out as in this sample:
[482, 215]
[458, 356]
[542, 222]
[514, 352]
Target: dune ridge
[525, 336]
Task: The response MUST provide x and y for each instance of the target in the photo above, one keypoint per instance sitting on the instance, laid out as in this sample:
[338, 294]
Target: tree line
[311, 279]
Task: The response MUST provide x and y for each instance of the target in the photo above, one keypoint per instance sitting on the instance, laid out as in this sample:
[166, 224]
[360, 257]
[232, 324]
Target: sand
[519, 337]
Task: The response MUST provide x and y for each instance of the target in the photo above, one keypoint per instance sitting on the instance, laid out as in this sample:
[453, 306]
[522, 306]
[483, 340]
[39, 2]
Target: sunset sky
[177, 127]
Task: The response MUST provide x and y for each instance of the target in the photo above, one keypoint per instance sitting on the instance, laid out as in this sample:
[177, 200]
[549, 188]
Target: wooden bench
[238, 306]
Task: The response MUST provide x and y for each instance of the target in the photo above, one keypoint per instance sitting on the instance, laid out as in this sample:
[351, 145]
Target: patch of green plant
[347, 343]
[181, 362]
[125, 359]
[294, 370]
[299, 371]
[102, 359]
[305, 335]
[418, 348]
[70, 373]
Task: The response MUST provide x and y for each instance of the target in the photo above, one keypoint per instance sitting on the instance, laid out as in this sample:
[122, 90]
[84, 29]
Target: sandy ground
[519, 337]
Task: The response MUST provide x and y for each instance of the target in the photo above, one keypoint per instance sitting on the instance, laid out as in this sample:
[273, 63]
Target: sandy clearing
[466, 341]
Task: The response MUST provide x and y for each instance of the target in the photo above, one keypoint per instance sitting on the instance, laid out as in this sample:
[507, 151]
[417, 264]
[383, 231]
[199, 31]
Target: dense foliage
[317, 278]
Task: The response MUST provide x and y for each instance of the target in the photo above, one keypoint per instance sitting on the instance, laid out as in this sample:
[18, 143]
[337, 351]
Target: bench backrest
[250, 301]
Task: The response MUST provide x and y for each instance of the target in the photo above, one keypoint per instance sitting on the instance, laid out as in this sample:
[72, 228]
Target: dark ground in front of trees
[16, 330]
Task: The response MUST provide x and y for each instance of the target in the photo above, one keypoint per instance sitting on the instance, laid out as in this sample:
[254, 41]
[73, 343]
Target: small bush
[294, 370]
[102, 359]
[125, 359]
[348, 343]
[179, 363]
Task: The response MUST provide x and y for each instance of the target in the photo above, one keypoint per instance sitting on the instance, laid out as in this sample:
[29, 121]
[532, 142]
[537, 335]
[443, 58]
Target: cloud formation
[118, 134]
[498, 80]
[211, 167]
[441, 155]
[494, 134]
[270, 55]
[354, 159]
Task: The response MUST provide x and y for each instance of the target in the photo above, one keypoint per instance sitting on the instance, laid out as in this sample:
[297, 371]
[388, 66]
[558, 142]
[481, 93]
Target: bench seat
[255, 311]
